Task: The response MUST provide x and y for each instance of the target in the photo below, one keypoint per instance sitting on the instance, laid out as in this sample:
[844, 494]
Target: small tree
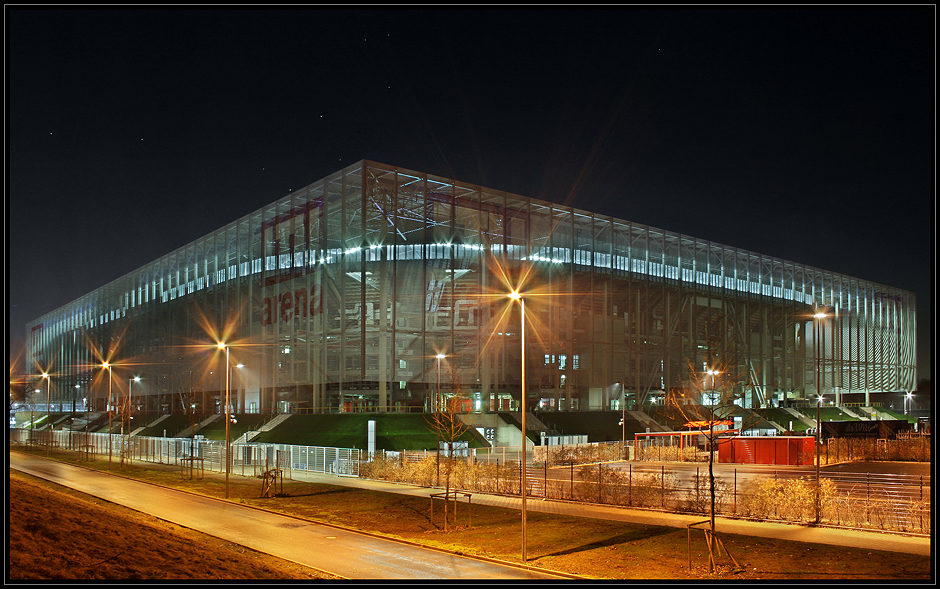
[447, 422]
[708, 402]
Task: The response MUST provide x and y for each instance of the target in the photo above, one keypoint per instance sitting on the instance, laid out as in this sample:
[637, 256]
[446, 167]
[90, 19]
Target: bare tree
[708, 403]
[446, 420]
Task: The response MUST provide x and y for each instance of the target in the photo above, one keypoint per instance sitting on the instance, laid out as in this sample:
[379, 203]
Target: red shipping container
[792, 450]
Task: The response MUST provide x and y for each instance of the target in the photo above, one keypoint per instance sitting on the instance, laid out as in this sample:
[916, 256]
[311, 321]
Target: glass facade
[340, 297]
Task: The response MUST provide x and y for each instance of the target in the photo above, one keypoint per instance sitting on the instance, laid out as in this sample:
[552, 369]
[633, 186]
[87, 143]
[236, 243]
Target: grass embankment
[583, 546]
[351, 430]
[57, 534]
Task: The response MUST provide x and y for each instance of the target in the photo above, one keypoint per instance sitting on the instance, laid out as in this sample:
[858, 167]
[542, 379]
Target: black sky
[804, 134]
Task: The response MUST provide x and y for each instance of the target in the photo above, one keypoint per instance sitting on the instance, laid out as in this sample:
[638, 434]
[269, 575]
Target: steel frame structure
[340, 296]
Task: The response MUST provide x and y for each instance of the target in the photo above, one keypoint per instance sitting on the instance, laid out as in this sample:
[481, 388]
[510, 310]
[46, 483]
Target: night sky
[803, 134]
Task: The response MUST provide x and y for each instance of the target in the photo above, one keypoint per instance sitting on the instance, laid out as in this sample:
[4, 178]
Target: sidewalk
[818, 535]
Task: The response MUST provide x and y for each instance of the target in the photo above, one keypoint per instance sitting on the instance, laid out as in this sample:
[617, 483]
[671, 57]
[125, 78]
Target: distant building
[340, 296]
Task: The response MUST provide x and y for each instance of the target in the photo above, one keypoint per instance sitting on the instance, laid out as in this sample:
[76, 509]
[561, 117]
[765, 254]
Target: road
[345, 553]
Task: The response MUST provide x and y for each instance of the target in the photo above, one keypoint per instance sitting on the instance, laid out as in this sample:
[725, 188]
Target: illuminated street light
[130, 396]
[516, 296]
[436, 408]
[228, 417]
[32, 417]
[108, 367]
[48, 411]
[438, 401]
[72, 417]
[711, 447]
[623, 421]
[817, 331]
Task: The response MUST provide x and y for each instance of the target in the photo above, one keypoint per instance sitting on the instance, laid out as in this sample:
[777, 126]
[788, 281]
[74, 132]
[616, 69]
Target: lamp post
[711, 448]
[48, 411]
[816, 336]
[516, 296]
[130, 400]
[435, 408]
[228, 418]
[72, 418]
[623, 421]
[907, 399]
[32, 416]
[107, 365]
[438, 401]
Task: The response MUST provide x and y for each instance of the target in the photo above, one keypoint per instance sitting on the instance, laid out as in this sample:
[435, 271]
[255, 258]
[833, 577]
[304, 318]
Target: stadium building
[378, 288]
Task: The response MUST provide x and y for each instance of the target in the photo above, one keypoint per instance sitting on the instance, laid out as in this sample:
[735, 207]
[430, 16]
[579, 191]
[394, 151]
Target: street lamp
[72, 418]
[130, 396]
[228, 418]
[436, 407]
[48, 411]
[816, 335]
[516, 296]
[32, 417]
[438, 401]
[623, 422]
[907, 400]
[107, 365]
[711, 448]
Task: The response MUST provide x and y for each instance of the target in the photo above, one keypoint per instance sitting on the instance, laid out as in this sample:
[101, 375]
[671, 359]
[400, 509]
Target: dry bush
[915, 449]
[620, 487]
[476, 476]
[787, 499]
[579, 454]
[698, 498]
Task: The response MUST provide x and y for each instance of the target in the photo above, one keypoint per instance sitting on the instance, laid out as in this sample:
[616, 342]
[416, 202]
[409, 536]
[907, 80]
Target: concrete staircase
[753, 419]
[800, 417]
[647, 421]
[267, 426]
[153, 423]
[534, 424]
[851, 413]
[873, 414]
[193, 430]
[84, 419]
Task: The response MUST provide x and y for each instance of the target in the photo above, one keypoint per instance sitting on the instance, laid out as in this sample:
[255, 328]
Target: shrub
[786, 499]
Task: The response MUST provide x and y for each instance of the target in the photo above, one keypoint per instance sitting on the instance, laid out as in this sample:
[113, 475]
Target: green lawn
[351, 430]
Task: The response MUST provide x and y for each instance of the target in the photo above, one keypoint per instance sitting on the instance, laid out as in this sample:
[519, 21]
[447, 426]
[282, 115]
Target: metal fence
[864, 501]
[858, 500]
[197, 453]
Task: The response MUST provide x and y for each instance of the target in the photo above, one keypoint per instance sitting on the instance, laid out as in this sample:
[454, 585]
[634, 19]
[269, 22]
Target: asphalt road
[345, 553]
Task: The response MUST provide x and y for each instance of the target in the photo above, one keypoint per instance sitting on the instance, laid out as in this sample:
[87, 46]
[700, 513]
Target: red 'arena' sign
[291, 305]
